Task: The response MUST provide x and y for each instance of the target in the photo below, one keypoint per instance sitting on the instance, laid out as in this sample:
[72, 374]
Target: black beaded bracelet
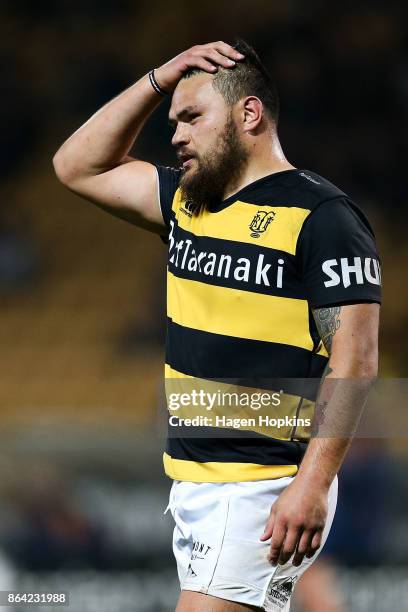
[155, 84]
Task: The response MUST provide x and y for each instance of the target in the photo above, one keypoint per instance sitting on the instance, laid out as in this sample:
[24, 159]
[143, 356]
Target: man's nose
[180, 136]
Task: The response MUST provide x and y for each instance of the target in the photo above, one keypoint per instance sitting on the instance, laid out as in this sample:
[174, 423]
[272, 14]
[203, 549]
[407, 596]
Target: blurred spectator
[359, 531]
[50, 532]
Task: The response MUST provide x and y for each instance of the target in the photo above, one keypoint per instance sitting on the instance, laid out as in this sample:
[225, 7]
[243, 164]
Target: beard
[217, 169]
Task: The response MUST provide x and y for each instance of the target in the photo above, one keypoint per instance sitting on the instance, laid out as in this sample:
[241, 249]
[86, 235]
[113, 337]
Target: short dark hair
[248, 78]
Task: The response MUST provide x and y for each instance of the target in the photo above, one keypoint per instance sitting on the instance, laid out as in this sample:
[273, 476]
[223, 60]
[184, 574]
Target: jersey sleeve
[338, 257]
[168, 180]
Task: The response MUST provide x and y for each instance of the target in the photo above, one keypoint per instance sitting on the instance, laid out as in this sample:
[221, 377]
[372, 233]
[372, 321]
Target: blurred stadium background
[82, 493]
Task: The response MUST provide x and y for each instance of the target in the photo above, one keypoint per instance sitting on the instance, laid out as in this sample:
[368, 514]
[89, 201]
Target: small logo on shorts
[279, 593]
[190, 571]
[200, 549]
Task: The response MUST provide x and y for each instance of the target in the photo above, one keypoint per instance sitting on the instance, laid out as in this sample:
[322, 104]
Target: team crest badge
[260, 222]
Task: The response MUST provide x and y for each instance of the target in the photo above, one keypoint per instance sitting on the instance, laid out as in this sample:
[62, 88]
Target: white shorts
[216, 541]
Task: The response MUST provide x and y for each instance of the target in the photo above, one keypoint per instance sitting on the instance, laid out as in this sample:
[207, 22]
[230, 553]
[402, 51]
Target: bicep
[129, 191]
[350, 334]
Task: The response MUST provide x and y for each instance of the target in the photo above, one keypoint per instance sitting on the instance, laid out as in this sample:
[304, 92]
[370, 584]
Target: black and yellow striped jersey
[243, 278]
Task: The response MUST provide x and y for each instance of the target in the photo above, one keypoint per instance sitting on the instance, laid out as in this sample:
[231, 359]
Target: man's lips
[187, 162]
[186, 159]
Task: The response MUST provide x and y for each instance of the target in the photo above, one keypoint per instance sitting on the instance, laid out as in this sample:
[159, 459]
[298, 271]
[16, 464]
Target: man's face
[207, 141]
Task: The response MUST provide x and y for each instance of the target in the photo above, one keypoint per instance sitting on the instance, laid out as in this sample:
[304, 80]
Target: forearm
[339, 405]
[322, 461]
[104, 141]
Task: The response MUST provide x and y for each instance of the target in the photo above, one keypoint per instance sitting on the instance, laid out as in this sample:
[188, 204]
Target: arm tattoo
[327, 322]
[320, 408]
[327, 370]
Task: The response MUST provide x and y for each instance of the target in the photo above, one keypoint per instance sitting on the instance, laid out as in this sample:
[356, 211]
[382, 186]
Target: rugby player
[273, 272]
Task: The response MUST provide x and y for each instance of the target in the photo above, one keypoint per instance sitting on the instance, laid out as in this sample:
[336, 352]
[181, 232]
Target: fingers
[227, 50]
[268, 529]
[309, 544]
[303, 545]
[203, 64]
[287, 542]
[220, 59]
[209, 57]
[315, 545]
[289, 545]
[278, 537]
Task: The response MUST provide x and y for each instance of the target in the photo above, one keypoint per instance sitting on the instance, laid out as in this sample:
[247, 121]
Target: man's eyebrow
[185, 112]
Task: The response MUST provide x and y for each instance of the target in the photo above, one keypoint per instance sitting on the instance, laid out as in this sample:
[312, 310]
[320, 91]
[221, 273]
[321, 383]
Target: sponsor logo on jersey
[309, 178]
[261, 222]
[184, 256]
[187, 208]
[351, 270]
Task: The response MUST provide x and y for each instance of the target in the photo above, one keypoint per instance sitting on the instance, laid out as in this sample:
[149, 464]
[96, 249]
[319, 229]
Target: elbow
[60, 169]
[64, 169]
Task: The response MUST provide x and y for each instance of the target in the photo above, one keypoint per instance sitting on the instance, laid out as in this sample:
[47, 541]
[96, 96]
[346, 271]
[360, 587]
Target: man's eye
[193, 118]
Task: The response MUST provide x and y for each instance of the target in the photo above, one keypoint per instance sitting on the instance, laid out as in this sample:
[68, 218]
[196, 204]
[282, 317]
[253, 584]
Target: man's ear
[253, 112]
